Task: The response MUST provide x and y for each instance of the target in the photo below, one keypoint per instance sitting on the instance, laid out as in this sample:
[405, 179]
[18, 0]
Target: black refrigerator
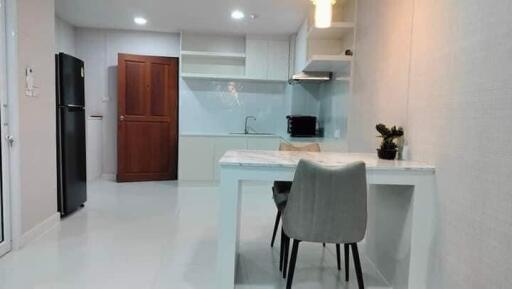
[71, 153]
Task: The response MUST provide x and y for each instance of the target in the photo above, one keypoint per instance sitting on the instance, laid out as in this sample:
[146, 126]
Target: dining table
[402, 209]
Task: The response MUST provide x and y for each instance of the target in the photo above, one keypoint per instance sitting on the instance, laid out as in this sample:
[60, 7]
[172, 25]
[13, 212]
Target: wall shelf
[248, 58]
[323, 50]
[337, 31]
[205, 76]
[339, 64]
[213, 54]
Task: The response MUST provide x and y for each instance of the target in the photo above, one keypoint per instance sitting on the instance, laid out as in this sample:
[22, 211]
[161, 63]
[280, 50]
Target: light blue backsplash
[220, 107]
[333, 104]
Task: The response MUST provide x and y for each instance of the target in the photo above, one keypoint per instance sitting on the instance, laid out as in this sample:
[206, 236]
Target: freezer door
[70, 80]
[72, 159]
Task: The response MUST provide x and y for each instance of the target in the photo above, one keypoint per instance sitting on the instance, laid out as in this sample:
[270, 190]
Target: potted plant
[389, 148]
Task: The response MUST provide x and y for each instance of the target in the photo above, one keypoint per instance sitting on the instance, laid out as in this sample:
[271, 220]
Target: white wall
[443, 69]
[37, 139]
[64, 37]
[99, 50]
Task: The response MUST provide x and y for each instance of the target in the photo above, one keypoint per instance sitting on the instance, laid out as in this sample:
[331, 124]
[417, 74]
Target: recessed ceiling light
[237, 15]
[140, 20]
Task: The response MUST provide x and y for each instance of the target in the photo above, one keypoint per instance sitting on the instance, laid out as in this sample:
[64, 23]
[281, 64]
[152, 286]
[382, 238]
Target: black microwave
[301, 125]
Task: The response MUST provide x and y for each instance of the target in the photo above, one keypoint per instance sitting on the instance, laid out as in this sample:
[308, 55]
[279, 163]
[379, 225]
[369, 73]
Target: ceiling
[212, 16]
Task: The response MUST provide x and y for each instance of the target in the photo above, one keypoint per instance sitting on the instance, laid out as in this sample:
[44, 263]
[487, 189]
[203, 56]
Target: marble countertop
[291, 159]
[286, 138]
[229, 135]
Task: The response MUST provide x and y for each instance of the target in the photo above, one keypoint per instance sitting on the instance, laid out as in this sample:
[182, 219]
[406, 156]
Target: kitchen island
[414, 240]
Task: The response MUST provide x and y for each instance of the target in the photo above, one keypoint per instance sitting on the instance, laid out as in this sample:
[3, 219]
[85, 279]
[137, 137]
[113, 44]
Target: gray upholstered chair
[281, 189]
[327, 205]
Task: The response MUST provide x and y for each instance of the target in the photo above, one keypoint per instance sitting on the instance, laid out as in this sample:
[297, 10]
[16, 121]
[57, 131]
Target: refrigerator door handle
[74, 106]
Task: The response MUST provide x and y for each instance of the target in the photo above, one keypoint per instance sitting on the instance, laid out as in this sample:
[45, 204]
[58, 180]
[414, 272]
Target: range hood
[310, 77]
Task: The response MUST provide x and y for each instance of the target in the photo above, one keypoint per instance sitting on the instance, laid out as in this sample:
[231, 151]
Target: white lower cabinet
[195, 160]
[199, 155]
[325, 145]
[264, 144]
[221, 146]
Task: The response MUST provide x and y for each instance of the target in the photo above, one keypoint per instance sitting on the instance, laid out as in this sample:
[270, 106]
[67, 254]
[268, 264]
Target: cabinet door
[256, 64]
[278, 60]
[263, 143]
[196, 159]
[221, 146]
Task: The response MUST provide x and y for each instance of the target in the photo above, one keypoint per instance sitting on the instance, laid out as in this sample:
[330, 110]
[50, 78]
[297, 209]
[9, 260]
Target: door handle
[121, 118]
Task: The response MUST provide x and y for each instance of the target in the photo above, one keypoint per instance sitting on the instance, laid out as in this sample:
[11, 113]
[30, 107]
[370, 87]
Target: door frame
[119, 114]
[5, 86]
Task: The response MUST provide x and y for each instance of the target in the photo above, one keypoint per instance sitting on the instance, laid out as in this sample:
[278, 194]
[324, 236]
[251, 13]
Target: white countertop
[283, 138]
[229, 135]
[291, 159]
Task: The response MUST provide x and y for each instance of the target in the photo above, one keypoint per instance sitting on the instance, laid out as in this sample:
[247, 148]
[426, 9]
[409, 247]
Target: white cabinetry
[195, 160]
[221, 146]
[206, 56]
[267, 59]
[234, 57]
[278, 59]
[199, 155]
[257, 58]
[263, 143]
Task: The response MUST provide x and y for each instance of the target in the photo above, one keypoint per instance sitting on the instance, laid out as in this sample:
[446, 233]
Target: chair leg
[281, 252]
[276, 225]
[338, 256]
[293, 261]
[285, 255]
[357, 264]
[347, 261]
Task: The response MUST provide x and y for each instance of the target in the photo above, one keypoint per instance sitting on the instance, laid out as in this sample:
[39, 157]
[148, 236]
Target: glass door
[5, 239]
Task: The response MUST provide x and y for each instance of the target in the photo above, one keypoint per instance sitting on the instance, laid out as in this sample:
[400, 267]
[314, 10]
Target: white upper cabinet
[267, 59]
[234, 57]
[257, 62]
[279, 59]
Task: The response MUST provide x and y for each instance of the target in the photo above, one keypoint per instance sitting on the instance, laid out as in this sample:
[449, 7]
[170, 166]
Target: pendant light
[323, 13]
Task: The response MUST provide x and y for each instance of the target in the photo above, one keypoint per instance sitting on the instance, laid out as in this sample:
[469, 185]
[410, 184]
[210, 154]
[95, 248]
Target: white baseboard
[108, 177]
[40, 230]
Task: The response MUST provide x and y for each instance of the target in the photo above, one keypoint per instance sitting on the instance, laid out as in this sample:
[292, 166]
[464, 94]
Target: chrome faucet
[246, 129]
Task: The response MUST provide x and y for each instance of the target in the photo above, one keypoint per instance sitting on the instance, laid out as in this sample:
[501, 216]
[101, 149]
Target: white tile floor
[163, 235]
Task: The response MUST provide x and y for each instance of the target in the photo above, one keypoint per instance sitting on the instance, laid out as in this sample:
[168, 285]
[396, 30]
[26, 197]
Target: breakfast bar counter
[246, 165]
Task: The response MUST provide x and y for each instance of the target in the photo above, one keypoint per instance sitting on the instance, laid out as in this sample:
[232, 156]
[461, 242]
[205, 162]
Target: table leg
[423, 232]
[229, 229]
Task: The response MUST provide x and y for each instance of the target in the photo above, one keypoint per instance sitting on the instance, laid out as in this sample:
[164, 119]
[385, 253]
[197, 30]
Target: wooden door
[147, 142]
